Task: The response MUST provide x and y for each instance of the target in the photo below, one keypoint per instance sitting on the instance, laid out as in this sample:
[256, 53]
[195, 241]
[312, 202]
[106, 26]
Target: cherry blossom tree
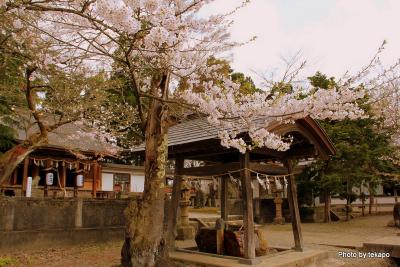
[42, 90]
[156, 44]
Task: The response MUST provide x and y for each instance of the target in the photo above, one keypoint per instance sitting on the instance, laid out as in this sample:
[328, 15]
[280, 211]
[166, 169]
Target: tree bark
[174, 203]
[327, 209]
[10, 160]
[14, 156]
[145, 243]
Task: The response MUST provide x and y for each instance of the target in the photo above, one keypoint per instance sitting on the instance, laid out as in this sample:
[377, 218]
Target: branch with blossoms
[152, 39]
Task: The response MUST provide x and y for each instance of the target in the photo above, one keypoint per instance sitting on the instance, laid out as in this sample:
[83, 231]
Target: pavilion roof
[67, 137]
[195, 135]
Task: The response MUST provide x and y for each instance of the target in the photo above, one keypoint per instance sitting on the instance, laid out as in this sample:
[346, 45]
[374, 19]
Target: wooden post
[35, 171]
[224, 198]
[294, 207]
[248, 219]
[63, 175]
[257, 211]
[14, 177]
[220, 231]
[174, 203]
[95, 178]
[25, 176]
[99, 181]
[75, 182]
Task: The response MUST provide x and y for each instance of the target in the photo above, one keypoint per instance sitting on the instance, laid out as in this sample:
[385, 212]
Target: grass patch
[4, 261]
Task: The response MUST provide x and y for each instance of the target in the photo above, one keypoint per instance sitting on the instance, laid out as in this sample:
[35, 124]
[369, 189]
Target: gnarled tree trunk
[145, 244]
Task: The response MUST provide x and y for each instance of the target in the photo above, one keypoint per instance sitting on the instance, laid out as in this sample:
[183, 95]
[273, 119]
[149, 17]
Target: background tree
[359, 158]
[39, 91]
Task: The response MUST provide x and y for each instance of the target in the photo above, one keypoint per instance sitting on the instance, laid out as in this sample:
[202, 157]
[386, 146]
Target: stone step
[390, 245]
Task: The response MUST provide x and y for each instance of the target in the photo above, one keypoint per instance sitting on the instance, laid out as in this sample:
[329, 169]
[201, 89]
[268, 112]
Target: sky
[334, 36]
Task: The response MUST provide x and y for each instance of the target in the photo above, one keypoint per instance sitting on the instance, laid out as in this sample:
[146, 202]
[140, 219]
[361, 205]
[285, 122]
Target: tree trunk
[10, 160]
[145, 243]
[348, 190]
[363, 206]
[371, 200]
[327, 209]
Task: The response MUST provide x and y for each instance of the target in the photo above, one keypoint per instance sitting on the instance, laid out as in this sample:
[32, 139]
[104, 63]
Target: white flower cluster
[168, 36]
[228, 109]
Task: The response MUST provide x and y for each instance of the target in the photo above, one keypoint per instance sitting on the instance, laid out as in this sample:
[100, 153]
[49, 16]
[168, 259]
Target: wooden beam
[272, 168]
[248, 219]
[268, 152]
[25, 176]
[224, 199]
[174, 203]
[294, 207]
[224, 168]
[210, 170]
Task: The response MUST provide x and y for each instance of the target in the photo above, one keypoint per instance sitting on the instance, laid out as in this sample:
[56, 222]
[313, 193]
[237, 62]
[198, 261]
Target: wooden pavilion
[66, 155]
[197, 140]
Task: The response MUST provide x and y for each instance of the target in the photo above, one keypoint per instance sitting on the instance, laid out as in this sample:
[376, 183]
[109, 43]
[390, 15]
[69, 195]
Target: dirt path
[352, 233]
[99, 255]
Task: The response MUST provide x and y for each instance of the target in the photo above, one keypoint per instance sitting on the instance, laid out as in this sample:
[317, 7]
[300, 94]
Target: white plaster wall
[107, 181]
[137, 183]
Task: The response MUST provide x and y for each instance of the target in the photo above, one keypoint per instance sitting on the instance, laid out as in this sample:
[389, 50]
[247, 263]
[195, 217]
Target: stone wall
[25, 221]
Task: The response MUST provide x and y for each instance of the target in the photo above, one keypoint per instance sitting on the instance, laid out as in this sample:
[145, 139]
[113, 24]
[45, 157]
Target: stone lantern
[184, 230]
[277, 191]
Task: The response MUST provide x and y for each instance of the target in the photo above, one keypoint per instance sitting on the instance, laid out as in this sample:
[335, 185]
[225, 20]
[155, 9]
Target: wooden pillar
[75, 182]
[25, 176]
[14, 176]
[99, 181]
[224, 198]
[174, 203]
[35, 171]
[220, 227]
[63, 175]
[294, 207]
[95, 178]
[248, 219]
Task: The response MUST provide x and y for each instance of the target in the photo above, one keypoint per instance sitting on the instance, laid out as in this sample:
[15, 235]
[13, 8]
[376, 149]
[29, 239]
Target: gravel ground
[322, 236]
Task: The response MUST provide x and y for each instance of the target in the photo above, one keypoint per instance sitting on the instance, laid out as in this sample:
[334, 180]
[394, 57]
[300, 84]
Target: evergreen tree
[360, 149]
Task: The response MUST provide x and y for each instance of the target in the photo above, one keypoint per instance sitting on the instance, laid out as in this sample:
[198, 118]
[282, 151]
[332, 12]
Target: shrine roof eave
[197, 140]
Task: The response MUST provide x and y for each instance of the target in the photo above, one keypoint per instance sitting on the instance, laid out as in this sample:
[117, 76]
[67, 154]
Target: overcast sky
[332, 35]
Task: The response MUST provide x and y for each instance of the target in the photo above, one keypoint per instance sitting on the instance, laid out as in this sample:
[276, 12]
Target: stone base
[279, 220]
[250, 261]
[185, 232]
